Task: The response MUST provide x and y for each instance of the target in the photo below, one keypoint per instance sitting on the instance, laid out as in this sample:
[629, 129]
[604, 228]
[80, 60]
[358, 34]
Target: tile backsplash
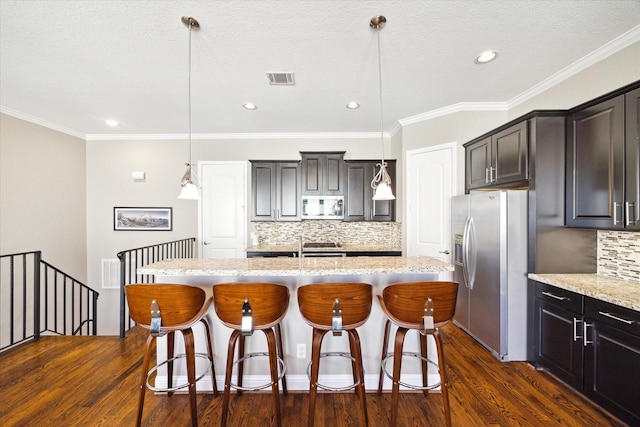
[375, 233]
[619, 254]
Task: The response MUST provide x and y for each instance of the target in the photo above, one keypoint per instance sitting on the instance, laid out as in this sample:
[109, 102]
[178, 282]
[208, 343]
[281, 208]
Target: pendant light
[381, 182]
[189, 184]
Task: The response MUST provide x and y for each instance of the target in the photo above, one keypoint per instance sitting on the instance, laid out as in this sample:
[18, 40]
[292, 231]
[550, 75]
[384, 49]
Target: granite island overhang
[295, 272]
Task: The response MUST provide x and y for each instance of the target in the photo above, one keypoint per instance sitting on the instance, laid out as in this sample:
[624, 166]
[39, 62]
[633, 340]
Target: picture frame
[142, 219]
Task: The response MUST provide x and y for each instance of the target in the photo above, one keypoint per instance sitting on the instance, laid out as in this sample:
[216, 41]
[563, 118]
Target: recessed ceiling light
[250, 106]
[112, 123]
[353, 105]
[485, 57]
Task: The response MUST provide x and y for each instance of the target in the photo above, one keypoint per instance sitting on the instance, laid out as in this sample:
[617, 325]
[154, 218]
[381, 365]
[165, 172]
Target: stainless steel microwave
[322, 207]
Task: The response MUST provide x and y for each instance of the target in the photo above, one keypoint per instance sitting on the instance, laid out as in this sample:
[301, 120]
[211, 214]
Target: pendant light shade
[381, 182]
[189, 190]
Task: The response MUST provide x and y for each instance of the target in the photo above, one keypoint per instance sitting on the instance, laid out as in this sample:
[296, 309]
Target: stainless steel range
[321, 249]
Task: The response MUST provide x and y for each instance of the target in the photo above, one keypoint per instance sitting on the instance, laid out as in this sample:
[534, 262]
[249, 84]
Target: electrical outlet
[301, 351]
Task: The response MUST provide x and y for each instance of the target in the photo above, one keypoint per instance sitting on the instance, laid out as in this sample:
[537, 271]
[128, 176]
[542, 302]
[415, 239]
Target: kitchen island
[294, 272]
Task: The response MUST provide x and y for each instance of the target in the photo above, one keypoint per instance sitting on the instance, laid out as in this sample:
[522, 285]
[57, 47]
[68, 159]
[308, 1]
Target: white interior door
[223, 219]
[430, 184]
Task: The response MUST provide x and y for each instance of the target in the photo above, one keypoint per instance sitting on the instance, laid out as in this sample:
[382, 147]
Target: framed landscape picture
[145, 219]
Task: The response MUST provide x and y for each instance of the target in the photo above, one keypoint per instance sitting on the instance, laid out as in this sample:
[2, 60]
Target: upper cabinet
[322, 173]
[501, 158]
[359, 205]
[603, 164]
[275, 191]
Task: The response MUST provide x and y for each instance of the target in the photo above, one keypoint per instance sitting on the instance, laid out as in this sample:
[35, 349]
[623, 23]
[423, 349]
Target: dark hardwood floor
[92, 381]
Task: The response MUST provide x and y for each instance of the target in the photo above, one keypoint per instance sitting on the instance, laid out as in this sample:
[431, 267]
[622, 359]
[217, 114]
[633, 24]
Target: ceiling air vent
[280, 78]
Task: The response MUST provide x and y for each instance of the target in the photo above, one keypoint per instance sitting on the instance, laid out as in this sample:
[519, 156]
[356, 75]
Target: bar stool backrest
[269, 303]
[180, 305]
[404, 302]
[316, 303]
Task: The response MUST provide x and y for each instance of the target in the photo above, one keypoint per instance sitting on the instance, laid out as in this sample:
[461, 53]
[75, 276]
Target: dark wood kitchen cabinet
[592, 345]
[559, 332]
[603, 164]
[498, 159]
[322, 173]
[359, 205]
[612, 358]
[275, 191]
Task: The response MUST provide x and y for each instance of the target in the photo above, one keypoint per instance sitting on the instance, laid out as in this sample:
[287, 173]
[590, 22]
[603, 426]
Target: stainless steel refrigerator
[490, 256]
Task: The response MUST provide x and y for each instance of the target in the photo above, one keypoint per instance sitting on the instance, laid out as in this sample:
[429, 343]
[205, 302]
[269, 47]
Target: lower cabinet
[612, 359]
[560, 331]
[592, 345]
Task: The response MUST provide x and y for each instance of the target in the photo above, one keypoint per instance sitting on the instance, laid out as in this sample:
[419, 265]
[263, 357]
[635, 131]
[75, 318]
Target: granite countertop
[345, 247]
[625, 293]
[295, 266]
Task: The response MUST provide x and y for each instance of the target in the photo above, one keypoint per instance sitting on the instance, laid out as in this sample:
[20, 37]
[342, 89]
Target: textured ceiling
[73, 64]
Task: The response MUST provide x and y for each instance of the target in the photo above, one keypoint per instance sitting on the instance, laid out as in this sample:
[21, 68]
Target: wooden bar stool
[336, 307]
[404, 304]
[165, 309]
[245, 307]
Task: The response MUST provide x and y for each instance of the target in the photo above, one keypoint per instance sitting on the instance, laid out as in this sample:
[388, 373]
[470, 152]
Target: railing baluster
[39, 300]
[143, 256]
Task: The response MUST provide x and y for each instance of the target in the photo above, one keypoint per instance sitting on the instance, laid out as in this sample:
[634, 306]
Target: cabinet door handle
[491, 170]
[615, 213]
[575, 329]
[486, 176]
[614, 317]
[630, 208]
[549, 294]
[585, 341]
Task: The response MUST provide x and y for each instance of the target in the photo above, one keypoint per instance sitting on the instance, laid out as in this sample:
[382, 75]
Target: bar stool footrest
[411, 386]
[281, 371]
[334, 354]
[180, 386]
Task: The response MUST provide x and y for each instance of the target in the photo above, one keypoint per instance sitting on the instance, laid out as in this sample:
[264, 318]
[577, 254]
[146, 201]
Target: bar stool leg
[397, 364]
[315, 369]
[170, 353]
[273, 368]
[241, 341]
[385, 344]
[354, 341]
[190, 352]
[207, 329]
[425, 366]
[227, 377]
[281, 354]
[143, 380]
[444, 387]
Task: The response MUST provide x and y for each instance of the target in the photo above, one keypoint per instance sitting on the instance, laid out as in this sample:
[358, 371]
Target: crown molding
[234, 136]
[38, 121]
[455, 108]
[614, 46]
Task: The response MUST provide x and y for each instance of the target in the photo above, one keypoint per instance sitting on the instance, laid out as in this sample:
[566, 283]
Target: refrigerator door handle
[471, 253]
[465, 253]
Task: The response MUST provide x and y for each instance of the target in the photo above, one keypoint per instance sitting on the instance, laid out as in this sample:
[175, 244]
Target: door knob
[446, 252]
[206, 243]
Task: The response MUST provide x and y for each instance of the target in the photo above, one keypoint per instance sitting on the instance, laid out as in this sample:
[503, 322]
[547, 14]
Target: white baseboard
[301, 382]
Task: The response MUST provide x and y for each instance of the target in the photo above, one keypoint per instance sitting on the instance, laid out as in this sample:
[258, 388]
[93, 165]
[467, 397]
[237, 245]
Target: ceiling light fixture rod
[381, 182]
[189, 186]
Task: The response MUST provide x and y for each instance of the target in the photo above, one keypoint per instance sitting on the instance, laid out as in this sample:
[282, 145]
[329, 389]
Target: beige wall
[43, 194]
[616, 71]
